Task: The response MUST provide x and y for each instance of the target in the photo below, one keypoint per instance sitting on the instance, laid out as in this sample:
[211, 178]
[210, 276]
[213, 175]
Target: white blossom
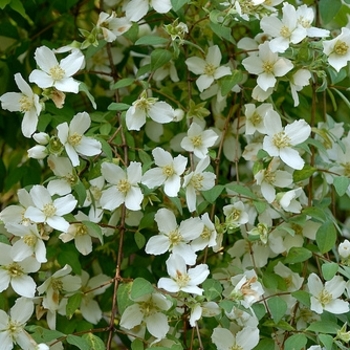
[26, 102]
[137, 9]
[112, 26]
[246, 339]
[54, 74]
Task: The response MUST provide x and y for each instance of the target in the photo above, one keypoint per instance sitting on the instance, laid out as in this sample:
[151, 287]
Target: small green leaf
[159, 57]
[17, 6]
[228, 82]
[94, 341]
[80, 190]
[43, 335]
[151, 40]
[79, 342]
[118, 106]
[327, 341]
[212, 195]
[241, 190]
[177, 4]
[265, 344]
[73, 303]
[277, 307]
[106, 148]
[323, 327]
[326, 237]
[3, 3]
[227, 305]
[123, 296]
[303, 174]
[329, 9]
[316, 213]
[140, 239]
[297, 254]
[147, 221]
[123, 83]
[83, 87]
[260, 206]
[303, 297]
[140, 287]
[222, 32]
[329, 270]
[295, 342]
[212, 289]
[95, 228]
[341, 184]
[137, 344]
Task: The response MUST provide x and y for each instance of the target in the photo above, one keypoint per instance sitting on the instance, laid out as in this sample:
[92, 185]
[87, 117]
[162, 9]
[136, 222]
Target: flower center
[255, 119]
[71, 179]
[148, 308]
[30, 240]
[197, 140]
[13, 328]
[346, 167]
[168, 170]
[124, 186]
[281, 140]
[267, 67]
[269, 177]
[15, 270]
[297, 229]
[26, 104]
[236, 347]
[74, 139]
[57, 284]
[49, 210]
[285, 32]
[196, 181]
[57, 73]
[80, 230]
[182, 279]
[96, 192]
[55, 145]
[175, 237]
[325, 298]
[206, 233]
[209, 69]
[340, 48]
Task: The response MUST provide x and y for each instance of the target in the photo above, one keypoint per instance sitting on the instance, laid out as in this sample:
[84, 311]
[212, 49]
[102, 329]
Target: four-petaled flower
[26, 102]
[209, 69]
[246, 339]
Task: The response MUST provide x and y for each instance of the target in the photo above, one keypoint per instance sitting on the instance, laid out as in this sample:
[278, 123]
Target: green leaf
[123, 296]
[147, 221]
[151, 40]
[83, 87]
[323, 327]
[228, 82]
[341, 184]
[212, 289]
[73, 303]
[140, 239]
[79, 342]
[241, 190]
[303, 297]
[316, 213]
[43, 335]
[297, 254]
[329, 9]
[137, 344]
[159, 57]
[145, 159]
[227, 305]
[143, 70]
[123, 83]
[329, 270]
[17, 6]
[265, 344]
[106, 148]
[94, 341]
[140, 287]
[277, 307]
[80, 190]
[326, 237]
[222, 32]
[3, 3]
[327, 341]
[118, 106]
[177, 4]
[95, 228]
[305, 173]
[212, 195]
[260, 206]
[295, 342]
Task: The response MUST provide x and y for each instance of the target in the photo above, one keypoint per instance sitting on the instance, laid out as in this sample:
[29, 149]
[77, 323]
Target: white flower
[293, 280]
[279, 141]
[198, 140]
[112, 26]
[60, 283]
[344, 249]
[255, 117]
[80, 233]
[26, 102]
[173, 237]
[267, 65]
[198, 180]
[181, 278]
[246, 339]
[137, 9]
[235, 215]
[58, 75]
[289, 202]
[168, 172]
[208, 236]
[298, 80]
[206, 309]
[46, 210]
[14, 273]
[305, 18]
[160, 112]
[338, 49]
[209, 69]
[74, 141]
[124, 186]
[325, 297]
[283, 31]
[12, 327]
[30, 242]
[270, 178]
[96, 285]
[148, 309]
